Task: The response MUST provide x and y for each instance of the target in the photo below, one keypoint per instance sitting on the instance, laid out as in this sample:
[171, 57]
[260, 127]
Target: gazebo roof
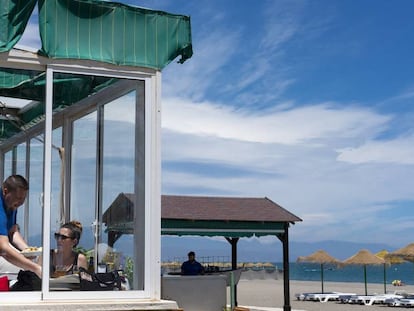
[206, 216]
[224, 209]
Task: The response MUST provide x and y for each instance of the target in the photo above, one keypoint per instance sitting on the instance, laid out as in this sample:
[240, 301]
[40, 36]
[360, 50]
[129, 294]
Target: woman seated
[65, 260]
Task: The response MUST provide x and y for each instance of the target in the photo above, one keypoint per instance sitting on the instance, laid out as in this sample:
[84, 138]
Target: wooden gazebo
[230, 217]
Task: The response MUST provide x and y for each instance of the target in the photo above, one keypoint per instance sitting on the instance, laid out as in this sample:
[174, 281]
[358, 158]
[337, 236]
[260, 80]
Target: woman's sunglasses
[62, 236]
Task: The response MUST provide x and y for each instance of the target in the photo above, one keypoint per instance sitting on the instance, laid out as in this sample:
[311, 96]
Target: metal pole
[365, 278]
[286, 306]
[232, 301]
[322, 276]
[233, 242]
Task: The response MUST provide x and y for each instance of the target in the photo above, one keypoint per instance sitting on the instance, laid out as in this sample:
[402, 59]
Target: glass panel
[83, 177]
[118, 152]
[101, 136]
[73, 186]
[36, 179]
[21, 159]
[35, 219]
[83, 186]
[23, 103]
[29, 220]
[8, 163]
[20, 164]
[57, 197]
[98, 179]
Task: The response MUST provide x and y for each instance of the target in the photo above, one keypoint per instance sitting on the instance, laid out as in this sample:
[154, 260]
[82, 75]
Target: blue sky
[309, 103]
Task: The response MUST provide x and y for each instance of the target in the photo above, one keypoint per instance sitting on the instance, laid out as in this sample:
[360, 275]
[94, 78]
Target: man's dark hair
[191, 254]
[14, 182]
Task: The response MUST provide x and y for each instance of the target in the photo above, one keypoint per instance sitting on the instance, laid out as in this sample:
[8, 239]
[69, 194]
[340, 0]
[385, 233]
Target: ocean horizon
[352, 273]
[302, 271]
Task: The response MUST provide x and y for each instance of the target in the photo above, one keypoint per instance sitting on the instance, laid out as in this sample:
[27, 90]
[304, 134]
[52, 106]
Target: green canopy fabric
[12, 78]
[95, 30]
[30, 85]
[100, 30]
[14, 16]
[112, 32]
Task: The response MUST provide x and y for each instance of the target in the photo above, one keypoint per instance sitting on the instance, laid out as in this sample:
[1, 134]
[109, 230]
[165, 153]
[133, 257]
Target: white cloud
[291, 156]
[237, 60]
[327, 162]
[407, 94]
[281, 24]
[399, 150]
[292, 126]
[193, 78]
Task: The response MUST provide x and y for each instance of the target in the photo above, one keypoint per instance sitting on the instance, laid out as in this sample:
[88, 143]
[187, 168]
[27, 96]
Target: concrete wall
[201, 292]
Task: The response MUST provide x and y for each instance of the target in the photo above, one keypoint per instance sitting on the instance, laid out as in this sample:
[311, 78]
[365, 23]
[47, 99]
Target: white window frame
[152, 256]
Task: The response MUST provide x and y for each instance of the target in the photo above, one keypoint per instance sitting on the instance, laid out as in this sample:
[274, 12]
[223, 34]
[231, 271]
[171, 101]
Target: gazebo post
[233, 242]
[286, 287]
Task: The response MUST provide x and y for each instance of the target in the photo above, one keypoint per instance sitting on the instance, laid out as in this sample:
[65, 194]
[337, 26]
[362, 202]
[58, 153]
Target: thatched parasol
[269, 266]
[226, 264]
[321, 257]
[249, 265]
[406, 253]
[389, 258]
[364, 257]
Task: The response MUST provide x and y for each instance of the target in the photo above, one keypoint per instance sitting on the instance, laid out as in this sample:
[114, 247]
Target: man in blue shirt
[191, 266]
[12, 195]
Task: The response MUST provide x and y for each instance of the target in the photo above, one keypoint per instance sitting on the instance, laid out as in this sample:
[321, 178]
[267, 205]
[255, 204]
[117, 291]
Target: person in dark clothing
[191, 266]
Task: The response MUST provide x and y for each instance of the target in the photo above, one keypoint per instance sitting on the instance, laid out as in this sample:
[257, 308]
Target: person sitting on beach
[397, 283]
[191, 266]
[65, 260]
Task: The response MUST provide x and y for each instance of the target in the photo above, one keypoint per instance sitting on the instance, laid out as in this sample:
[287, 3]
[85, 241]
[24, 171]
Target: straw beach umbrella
[389, 258]
[269, 266]
[321, 257]
[364, 257]
[249, 265]
[406, 253]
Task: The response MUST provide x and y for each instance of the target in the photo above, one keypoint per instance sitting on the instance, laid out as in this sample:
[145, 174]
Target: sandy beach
[269, 293]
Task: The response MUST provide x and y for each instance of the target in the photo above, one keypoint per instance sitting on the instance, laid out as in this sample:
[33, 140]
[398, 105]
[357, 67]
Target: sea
[352, 273]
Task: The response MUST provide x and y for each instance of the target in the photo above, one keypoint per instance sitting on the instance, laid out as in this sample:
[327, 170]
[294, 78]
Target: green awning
[14, 16]
[210, 228]
[95, 30]
[240, 229]
[100, 30]
[30, 85]
[113, 32]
